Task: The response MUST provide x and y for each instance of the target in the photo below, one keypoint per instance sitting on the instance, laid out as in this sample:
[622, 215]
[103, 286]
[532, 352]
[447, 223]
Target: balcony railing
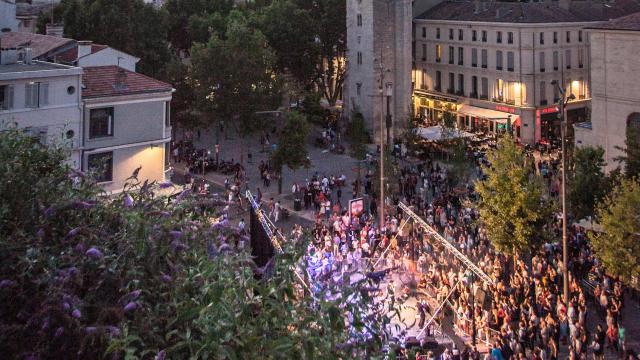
[473, 95]
[484, 97]
[543, 102]
[438, 88]
[451, 91]
[460, 92]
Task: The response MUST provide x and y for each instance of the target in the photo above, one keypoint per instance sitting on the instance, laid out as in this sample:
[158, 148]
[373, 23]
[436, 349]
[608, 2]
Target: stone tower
[379, 36]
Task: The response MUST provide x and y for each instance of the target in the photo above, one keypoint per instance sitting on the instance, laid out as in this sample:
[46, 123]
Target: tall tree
[588, 183]
[618, 245]
[512, 204]
[233, 76]
[131, 26]
[358, 136]
[631, 150]
[291, 149]
[187, 23]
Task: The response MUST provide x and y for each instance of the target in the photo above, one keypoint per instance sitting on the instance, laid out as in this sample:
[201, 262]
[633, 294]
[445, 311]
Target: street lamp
[388, 93]
[563, 128]
[204, 156]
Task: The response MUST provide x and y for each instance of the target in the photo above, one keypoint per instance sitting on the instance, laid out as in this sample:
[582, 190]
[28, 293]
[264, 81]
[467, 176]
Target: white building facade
[493, 65]
[43, 99]
[378, 79]
[615, 87]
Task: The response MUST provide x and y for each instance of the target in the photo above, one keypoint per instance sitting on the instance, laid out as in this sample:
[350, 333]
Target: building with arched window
[615, 87]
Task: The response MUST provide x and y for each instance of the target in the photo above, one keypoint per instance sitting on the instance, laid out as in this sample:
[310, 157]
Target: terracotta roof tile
[101, 81]
[40, 44]
[71, 55]
[629, 22]
[531, 12]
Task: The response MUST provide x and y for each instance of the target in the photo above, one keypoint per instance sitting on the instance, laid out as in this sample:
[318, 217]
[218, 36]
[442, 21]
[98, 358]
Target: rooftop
[629, 22]
[103, 81]
[71, 55]
[26, 9]
[40, 44]
[531, 12]
[20, 67]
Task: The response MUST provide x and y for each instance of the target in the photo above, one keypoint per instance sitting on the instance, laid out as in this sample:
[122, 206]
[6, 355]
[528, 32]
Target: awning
[498, 116]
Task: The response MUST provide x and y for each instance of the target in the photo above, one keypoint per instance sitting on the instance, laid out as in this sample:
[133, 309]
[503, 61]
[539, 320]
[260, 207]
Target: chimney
[564, 4]
[28, 56]
[476, 7]
[84, 48]
[56, 30]
[121, 79]
[8, 56]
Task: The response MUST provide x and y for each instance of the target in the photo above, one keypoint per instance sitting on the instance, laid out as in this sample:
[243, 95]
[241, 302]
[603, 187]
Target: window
[510, 61]
[37, 134]
[460, 84]
[498, 60]
[581, 58]
[460, 34]
[556, 94]
[424, 32]
[6, 97]
[579, 35]
[100, 122]
[359, 19]
[451, 54]
[484, 56]
[358, 39]
[71, 90]
[359, 58]
[101, 165]
[484, 89]
[484, 35]
[543, 93]
[567, 58]
[36, 95]
[499, 37]
[510, 38]
[568, 37]
[438, 81]
[460, 56]
[452, 80]
[437, 33]
[474, 87]
[474, 35]
[474, 57]
[167, 113]
[542, 62]
[358, 88]
[450, 34]
[555, 61]
[424, 79]
[541, 38]
[555, 37]
[167, 155]
[438, 53]
[424, 52]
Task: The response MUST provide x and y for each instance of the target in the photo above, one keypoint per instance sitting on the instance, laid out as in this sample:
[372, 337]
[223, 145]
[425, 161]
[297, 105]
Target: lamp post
[389, 92]
[563, 128]
[204, 157]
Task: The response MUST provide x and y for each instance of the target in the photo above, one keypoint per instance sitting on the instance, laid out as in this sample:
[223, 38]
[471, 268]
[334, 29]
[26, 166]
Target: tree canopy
[631, 151]
[358, 136]
[587, 184]
[291, 150]
[512, 204]
[618, 245]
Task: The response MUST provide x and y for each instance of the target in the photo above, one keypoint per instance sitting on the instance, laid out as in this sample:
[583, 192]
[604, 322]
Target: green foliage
[461, 165]
[631, 150]
[190, 19]
[291, 150]
[183, 100]
[313, 110]
[131, 26]
[588, 183]
[358, 136]
[618, 246]
[128, 276]
[233, 76]
[512, 205]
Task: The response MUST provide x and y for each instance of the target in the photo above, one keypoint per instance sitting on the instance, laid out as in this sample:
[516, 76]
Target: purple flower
[166, 278]
[90, 329]
[176, 234]
[41, 233]
[59, 332]
[76, 314]
[73, 232]
[72, 270]
[66, 306]
[161, 355]
[128, 201]
[48, 212]
[165, 213]
[80, 247]
[135, 294]
[94, 253]
[182, 195]
[114, 331]
[130, 307]
[82, 205]
[6, 283]
[166, 184]
[178, 246]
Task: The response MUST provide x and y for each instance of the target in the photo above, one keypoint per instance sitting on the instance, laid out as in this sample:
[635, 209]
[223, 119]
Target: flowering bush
[139, 276]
